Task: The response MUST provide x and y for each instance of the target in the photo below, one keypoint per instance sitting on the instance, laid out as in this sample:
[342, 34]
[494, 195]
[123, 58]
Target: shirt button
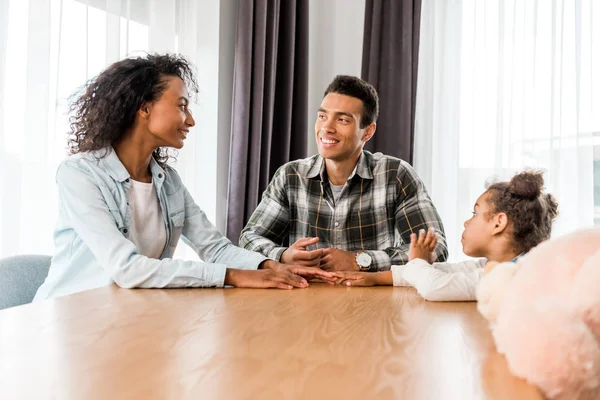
[125, 230]
[160, 175]
[336, 223]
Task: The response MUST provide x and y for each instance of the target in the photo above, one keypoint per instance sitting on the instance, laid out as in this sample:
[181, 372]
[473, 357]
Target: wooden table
[316, 343]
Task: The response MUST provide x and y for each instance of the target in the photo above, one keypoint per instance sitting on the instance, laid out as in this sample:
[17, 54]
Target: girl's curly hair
[105, 108]
[530, 211]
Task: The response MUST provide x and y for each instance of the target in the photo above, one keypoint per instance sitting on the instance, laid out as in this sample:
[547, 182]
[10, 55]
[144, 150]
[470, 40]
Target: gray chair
[20, 278]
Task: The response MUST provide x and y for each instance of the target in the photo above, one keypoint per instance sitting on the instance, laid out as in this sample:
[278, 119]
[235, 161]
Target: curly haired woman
[123, 209]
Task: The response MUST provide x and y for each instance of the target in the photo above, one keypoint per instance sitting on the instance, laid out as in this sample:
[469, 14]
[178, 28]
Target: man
[344, 208]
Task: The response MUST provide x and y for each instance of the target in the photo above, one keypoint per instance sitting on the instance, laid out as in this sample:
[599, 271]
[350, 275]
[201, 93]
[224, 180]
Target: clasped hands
[335, 262]
[342, 264]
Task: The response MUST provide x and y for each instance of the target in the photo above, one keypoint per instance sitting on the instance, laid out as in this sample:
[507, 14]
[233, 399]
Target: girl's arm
[441, 281]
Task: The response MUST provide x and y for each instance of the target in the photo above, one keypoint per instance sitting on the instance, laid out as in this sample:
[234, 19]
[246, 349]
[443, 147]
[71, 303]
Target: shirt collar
[117, 170]
[156, 170]
[317, 168]
[362, 168]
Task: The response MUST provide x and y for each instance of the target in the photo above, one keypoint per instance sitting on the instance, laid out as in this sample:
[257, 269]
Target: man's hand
[305, 272]
[297, 254]
[423, 246]
[338, 260]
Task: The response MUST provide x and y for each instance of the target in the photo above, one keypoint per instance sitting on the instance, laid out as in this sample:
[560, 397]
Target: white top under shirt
[441, 281]
[336, 190]
[147, 231]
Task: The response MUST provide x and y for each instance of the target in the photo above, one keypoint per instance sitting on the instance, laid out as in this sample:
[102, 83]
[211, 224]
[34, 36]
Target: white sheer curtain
[48, 48]
[504, 85]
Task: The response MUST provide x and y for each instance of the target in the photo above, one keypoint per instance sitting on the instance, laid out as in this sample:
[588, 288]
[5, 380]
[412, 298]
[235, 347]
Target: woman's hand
[264, 279]
[301, 270]
[272, 274]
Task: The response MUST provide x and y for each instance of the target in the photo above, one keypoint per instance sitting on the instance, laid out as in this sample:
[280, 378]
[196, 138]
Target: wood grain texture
[320, 342]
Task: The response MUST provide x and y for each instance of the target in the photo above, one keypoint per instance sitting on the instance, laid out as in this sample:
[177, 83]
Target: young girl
[509, 219]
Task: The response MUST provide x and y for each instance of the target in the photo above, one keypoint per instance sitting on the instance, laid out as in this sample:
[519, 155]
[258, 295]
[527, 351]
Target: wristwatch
[364, 261]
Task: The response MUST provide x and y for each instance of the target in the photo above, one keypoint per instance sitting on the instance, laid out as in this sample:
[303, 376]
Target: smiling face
[337, 128]
[168, 118]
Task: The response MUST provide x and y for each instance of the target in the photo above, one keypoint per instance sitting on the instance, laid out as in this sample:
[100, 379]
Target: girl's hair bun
[528, 184]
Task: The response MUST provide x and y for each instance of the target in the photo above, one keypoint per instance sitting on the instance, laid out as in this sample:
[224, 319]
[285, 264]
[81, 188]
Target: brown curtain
[270, 100]
[389, 62]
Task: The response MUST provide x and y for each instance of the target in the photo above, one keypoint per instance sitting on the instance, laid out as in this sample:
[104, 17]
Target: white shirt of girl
[441, 281]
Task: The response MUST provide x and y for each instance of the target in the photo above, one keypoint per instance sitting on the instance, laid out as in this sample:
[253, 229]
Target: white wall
[335, 47]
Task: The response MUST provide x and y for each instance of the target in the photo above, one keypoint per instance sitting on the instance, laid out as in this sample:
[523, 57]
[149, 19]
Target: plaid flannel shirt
[381, 204]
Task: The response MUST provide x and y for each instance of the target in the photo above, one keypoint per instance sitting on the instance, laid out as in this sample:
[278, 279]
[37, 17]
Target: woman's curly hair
[530, 211]
[105, 108]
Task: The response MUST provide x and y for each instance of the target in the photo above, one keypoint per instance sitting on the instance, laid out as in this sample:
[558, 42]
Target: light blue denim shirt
[92, 248]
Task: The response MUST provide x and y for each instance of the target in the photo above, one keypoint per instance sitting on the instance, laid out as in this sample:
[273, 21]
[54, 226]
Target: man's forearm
[252, 241]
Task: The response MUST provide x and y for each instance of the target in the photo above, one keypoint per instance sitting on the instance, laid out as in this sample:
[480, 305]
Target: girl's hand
[423, 246]
[353, 278]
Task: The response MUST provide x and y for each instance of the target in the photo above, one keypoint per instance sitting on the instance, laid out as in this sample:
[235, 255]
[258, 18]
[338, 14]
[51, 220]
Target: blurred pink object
[545, 315]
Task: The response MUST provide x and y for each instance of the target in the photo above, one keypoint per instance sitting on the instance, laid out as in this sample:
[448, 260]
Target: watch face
[363, 260]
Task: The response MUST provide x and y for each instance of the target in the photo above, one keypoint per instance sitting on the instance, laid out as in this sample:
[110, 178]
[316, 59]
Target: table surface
[319, 342]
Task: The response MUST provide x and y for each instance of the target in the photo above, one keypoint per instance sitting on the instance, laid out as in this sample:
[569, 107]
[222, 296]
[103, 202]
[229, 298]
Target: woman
[123, 209]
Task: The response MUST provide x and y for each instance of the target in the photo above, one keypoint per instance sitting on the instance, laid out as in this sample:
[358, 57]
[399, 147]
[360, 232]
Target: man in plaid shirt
[344, 208]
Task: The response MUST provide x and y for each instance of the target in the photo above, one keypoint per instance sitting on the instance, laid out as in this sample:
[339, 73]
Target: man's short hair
[355, 87]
